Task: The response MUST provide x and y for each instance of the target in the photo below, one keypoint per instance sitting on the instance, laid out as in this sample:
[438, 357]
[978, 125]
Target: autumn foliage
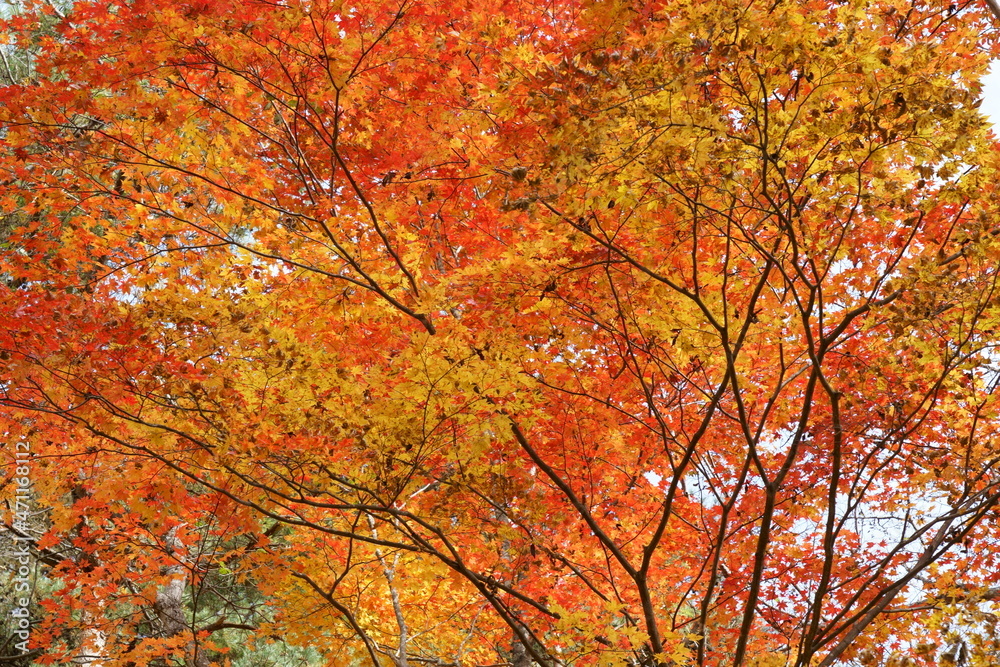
[499, 332]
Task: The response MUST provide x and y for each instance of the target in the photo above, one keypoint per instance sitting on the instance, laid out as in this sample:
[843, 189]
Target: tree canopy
[501, 332]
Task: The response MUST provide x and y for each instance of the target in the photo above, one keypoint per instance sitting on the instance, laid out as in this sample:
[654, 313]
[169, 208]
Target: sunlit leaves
[598, 333]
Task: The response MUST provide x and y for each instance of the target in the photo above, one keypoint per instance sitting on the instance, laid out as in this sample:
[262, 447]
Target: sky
[991, 95]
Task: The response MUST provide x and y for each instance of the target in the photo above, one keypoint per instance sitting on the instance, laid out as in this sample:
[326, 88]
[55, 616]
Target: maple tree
[498, 332]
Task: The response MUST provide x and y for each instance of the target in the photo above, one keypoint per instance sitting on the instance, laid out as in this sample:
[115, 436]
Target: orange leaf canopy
[500, 332]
